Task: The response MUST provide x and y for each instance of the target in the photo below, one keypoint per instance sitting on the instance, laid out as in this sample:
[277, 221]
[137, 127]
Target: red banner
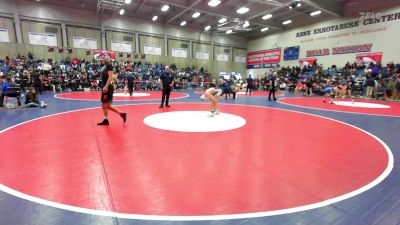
[266, 56]
[367, 58]
[99, 54]
[307, 61]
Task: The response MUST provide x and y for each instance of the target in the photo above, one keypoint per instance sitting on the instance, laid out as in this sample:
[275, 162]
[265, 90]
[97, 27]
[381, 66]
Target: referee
[167, 83]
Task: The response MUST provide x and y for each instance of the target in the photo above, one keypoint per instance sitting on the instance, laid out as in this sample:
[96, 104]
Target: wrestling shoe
[103, 123]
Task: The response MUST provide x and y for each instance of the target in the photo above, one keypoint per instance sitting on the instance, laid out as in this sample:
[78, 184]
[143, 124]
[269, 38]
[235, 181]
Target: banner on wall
[307, 61]
[318, 52]
[352, 49]
[86, 43]
[99, 54]
[152, 50]
[47, 39]
[240, 59]
[368, 58]
[266, 56]
[223, 57]
[291, 53]
[120, 46]
[264, 59]
[202, 55]
[4, 35]
[179, 52]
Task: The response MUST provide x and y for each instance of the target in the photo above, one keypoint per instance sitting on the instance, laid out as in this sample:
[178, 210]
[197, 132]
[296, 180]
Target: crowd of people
[367, 81]
[370, 81]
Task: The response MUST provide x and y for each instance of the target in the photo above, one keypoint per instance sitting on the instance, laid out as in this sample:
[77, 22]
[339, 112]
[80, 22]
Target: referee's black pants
[165, 96]
[271, 92]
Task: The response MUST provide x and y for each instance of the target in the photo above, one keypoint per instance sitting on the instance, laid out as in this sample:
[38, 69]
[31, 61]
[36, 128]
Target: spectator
[32, 99]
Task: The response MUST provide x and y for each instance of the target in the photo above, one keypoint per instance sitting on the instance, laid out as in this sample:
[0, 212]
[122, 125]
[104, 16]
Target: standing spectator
[272, 89]
[130, 82]
[167, 82]
[250, 83]
[370, 85]
[37, 82]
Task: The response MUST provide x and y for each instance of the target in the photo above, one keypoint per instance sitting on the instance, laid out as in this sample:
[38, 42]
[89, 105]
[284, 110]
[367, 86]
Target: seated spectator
[9, 89]
[32, 99]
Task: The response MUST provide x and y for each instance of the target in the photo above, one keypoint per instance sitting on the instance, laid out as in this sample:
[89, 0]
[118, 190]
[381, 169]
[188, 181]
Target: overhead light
[222, 20]
[165, 8]
[315, 13]
[242, 10]
[287, 22]
[207, 28]
[121, 12]
[264, 29]
[290, 7]
[128, 1]
[214, 3]
[298, 4]
[267, 16]
[246, 24]
[229, 31]
[154, 18]
[196, 14]
[183, 23]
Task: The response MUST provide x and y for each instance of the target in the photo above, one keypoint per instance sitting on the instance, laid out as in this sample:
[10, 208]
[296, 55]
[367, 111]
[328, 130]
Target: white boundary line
[331, 110]
[277, 94]
[56, 96]
[375, 182]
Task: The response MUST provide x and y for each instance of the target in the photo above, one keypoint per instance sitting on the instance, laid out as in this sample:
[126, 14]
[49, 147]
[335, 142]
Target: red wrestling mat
[119, 96]
[268, 164]
[253, 93]
[361, 106]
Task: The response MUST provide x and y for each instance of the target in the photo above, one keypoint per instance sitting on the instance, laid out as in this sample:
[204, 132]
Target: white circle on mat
[133, 94]
[194, 121]
[362, 105]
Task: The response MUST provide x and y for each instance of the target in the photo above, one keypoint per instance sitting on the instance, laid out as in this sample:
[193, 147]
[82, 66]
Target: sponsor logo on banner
[100, 54]
[368, 58]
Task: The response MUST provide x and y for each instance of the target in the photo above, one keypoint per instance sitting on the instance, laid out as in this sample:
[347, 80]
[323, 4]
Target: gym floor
[294, 161]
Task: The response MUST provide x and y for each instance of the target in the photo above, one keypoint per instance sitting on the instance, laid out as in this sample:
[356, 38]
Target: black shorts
[108, 96]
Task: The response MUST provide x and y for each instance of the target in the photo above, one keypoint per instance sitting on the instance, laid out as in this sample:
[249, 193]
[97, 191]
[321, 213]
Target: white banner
[240, 59]
[119, 46]
[152, 50]
[179, 52]
[86, 43]
[223, 57]
[47, 39]
[4, 35]
[202, 55]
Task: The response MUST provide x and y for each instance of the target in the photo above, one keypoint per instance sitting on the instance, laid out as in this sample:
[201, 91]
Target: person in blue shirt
[8, 88]
[167, 83]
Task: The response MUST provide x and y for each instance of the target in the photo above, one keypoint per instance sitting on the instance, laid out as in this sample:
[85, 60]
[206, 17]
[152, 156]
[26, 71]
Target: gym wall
[37, 17]
[383, 36]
